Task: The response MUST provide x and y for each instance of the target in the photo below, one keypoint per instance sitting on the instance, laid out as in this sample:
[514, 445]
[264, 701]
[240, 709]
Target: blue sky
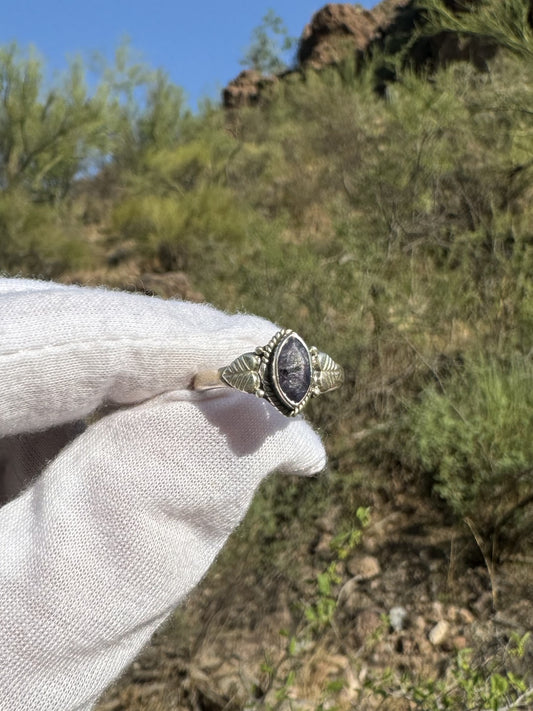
[199, 44]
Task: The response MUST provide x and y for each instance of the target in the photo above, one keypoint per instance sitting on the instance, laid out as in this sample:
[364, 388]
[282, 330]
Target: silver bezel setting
[257, 373]
[273, 392]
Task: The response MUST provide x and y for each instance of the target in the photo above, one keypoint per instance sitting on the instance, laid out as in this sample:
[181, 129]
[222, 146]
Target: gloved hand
[118, 521]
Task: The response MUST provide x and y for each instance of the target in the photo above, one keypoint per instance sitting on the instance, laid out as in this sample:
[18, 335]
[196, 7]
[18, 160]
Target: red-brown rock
[341, 30]
[246, 89]
[333, 30]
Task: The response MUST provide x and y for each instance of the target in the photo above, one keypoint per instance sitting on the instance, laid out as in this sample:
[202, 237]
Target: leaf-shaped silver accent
[328, 374]
[243, 373]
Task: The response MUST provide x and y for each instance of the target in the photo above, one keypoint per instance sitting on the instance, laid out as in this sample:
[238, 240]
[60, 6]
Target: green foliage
[397, 235]
[505, 22]
[160, 124]
[471, 681]
[270, 42]
[318, 618]
[177, 205]
[487, 686]
[52, 136]
[180, 227]
[519, 644]
[148, 110]
[394, 232]
[47, 136]
[320, 612]
[471, 432]
[35, 241]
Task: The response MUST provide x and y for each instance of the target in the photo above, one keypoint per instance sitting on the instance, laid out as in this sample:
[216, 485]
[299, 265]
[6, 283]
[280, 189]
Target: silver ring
[285, 372]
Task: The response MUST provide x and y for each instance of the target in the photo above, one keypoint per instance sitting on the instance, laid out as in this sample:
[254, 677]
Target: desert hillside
[377, 197]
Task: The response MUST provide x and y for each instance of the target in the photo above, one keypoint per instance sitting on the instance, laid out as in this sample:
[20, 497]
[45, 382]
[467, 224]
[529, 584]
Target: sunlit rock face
[341, 31]
[293, 371]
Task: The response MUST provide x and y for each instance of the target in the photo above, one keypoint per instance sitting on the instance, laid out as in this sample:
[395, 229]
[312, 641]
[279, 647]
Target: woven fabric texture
[105, 528]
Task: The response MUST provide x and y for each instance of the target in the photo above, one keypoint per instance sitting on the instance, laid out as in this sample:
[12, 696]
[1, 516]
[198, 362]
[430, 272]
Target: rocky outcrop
[246, 89]
[334, 32]
[340, 30]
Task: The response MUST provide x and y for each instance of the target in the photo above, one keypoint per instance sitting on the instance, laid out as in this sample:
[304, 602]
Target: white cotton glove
[125, 517]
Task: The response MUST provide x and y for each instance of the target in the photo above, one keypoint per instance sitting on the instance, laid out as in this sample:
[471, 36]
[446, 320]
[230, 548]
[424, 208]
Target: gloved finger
[248, 424]
[66, 350]
[118, 529]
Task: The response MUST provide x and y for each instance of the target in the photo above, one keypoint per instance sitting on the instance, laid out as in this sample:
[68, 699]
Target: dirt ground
[413, 594]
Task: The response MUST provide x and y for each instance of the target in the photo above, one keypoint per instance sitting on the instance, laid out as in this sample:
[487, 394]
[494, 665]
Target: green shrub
[48, 136]
[179, 228]
[473, 433]
[35, 239]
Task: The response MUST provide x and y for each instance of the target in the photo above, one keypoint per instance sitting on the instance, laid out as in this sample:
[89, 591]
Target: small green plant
[487, 686]
[320, 612]
[270, 42]
[318, 617]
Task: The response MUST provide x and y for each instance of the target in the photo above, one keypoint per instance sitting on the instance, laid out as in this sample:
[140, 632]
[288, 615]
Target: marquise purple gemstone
[294, 370]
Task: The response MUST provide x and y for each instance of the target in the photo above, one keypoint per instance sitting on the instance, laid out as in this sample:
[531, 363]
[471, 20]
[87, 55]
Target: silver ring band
[285, 372]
